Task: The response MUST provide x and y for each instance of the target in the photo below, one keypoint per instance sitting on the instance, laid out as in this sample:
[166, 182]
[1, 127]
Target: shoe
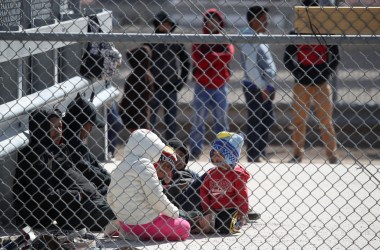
[260, 160]
[254, 216]
[295, 159]
[333, 160]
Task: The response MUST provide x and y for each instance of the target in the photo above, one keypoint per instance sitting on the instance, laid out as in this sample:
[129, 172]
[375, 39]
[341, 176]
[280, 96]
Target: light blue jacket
[258, 65]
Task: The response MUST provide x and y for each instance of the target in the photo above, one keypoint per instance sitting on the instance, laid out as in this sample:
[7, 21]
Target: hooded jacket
[166, 58]
[224, 189]
[43, 188]
[78, 152]
[135, 194]
[134, 109]
[211, 61]
[185, 174]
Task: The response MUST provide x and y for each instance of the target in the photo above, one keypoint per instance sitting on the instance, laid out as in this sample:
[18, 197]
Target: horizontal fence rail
[194, 38]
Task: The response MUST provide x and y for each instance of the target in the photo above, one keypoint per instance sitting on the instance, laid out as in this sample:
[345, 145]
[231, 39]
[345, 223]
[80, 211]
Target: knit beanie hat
[168, 155]
[229, 144]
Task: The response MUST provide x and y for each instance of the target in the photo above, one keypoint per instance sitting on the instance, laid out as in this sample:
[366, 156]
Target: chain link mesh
[79, 77]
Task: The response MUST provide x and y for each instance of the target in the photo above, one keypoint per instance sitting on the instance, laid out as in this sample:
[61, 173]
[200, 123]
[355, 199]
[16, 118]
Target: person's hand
[265, 95]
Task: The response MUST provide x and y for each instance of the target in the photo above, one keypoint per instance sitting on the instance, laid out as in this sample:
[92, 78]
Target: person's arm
[205, 196]
[154, 193]
[334, 57]
[249, 56]
[241, 199]
[290, 64]
[199, 59]
[221, 59]
[90, 167]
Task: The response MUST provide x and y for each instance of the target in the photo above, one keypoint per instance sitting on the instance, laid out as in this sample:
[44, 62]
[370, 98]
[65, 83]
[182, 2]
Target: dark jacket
[311, 74]
[78, 153]
[166, 58]
[133, 108]
[43, 187]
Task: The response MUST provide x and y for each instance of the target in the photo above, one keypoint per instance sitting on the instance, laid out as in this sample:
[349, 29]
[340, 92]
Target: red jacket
[211, 60]
[225, 189]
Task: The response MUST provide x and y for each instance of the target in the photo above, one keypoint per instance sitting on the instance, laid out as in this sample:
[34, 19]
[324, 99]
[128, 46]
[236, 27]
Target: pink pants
[161, 228]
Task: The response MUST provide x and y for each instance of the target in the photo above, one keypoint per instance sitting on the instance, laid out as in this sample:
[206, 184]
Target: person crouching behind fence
[48, 187]
[34, 177]
[136, 196]
[79, 120]
[224, 190]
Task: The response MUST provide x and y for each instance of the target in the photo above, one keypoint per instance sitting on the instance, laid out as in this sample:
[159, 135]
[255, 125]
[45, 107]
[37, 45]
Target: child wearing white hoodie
[136, 195]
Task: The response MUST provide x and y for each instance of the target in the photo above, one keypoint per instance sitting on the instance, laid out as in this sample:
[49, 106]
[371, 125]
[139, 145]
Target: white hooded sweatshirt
[135, 193]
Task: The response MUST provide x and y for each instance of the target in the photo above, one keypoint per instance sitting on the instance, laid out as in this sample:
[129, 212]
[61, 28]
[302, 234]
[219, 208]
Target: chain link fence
[300, 85]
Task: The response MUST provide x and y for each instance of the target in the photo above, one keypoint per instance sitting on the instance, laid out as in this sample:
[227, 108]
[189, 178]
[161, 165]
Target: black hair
[255, 11]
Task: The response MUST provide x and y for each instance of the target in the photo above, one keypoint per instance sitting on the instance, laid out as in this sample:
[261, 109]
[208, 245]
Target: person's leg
[96, 215]
[170, 118]
[267, 123]
[199, 116]
[324, 111]
[155, 104]
[115, 126]
[301, 108]
[161, 228]
[190, 198]
[219, 107]
[254, 123]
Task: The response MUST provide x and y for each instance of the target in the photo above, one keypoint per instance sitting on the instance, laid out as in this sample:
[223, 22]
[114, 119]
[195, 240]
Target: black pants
[92, 214]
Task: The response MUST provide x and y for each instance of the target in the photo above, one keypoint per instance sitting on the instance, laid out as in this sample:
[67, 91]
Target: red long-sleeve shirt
[225, 189]
[211, 60]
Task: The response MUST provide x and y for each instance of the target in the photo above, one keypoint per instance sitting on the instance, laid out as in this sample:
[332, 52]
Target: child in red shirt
[224, 190]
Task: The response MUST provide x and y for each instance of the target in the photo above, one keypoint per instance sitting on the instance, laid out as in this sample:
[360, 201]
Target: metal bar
[39, 99]
[191, 38]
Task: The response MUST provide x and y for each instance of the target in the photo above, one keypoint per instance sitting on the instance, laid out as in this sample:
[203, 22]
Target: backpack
[311, 55]
[101, 59]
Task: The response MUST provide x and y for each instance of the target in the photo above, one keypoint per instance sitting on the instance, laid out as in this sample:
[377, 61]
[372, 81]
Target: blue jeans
[169, 103]
[115, 126]
[205, 101]
[260, 119]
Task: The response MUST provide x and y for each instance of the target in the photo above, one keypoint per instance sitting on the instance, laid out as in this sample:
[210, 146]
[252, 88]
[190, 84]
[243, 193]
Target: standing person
[211, 73]
[134, 106]
[259, 74]
[136, 195]
[169, 77]
[224, 190]
[312, 66]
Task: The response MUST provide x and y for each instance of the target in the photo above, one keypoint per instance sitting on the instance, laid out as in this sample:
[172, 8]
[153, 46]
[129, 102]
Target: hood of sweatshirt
[39, 128]
[177, 144]
[162, 17]
[209, 13]
[143, 143]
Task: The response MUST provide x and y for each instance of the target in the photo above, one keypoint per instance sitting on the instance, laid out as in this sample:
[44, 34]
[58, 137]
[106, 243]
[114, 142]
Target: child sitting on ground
[224, 190]
[136, 196]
